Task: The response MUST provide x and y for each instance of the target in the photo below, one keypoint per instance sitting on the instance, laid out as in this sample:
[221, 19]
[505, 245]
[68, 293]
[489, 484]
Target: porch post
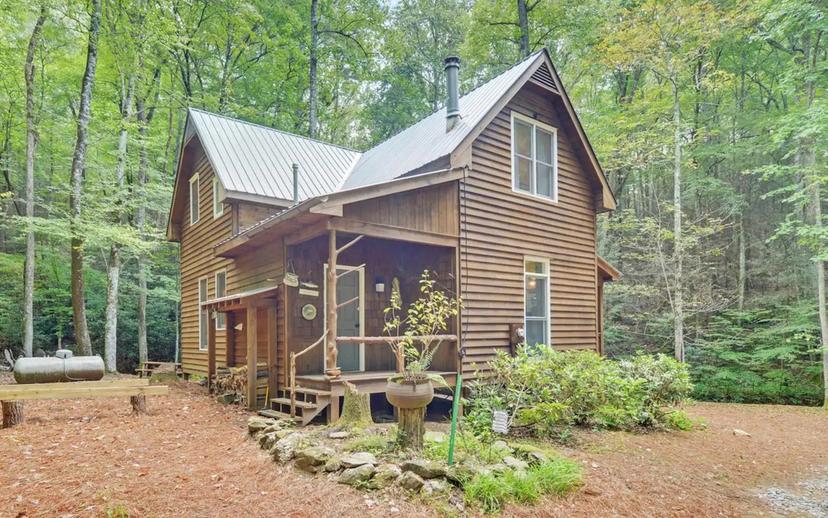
[332, 371]
[211, 348]
[271, 351]
[230, 339]
[252, 346]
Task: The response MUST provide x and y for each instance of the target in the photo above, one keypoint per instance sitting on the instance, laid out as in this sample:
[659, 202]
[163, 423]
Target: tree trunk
[140, 220]
[678, 253]
[12, 413]
[82, 340]
[31, 145]
[356, 410]
[523, 22]
[114, 267]
[742, 263]
[314, 85]
[411, 428]
[139, 404]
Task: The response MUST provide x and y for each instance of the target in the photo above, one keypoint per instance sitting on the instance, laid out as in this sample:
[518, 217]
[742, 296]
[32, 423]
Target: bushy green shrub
[545, 391]
[490, 491]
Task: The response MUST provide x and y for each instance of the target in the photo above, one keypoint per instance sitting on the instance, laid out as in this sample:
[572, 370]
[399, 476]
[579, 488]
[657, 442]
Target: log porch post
[271, 351]
[251, 327]
[211, 348]
[332, 371]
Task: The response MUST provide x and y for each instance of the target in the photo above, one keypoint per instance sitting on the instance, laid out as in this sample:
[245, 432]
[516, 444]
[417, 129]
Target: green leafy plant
[425, 318]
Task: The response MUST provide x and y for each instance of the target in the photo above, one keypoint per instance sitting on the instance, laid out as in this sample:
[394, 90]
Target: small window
[534, 157]
[536, 301]
[194, 205]
[221, 291]
[203, 317]
[218, 194]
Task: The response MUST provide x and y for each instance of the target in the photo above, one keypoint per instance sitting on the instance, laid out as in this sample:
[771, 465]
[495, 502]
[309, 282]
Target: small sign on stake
[500, 422]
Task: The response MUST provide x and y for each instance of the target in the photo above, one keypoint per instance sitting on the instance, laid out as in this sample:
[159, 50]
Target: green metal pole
[455, 408]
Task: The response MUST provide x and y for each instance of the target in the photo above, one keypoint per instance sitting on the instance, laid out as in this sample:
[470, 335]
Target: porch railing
[368, 340]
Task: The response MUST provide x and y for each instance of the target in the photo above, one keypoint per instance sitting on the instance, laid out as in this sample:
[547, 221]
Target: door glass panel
[347, 322]
[535, 332]
[535, 296]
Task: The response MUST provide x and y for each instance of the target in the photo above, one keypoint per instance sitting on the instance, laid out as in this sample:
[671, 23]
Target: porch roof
[238, 300]
[607, 271]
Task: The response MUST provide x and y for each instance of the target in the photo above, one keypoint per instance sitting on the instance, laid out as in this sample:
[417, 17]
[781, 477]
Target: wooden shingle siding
[498, 227]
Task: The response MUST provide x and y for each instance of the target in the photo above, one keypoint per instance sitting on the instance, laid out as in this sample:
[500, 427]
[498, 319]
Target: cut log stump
[139, 404]
[411, 428]
[12, 413]
[356, 410]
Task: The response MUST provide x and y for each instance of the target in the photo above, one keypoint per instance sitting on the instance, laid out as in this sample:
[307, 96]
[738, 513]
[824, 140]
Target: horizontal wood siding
[262, 267]
[431, 209]
[499, 227]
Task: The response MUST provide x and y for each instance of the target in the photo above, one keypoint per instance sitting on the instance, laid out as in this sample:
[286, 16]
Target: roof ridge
[481, 85]
[283, 132]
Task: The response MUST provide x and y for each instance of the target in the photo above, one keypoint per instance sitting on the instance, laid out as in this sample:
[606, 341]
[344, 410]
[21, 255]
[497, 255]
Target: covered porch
[334, 315]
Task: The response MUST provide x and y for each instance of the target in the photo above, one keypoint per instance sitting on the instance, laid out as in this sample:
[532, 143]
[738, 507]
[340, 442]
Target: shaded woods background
[725, 99]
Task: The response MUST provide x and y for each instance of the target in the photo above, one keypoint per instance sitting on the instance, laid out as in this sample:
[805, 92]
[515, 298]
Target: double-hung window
[534, 157]
[203, 317]
[536, 301]
[221, 291]
[194, 205]
[218, 192]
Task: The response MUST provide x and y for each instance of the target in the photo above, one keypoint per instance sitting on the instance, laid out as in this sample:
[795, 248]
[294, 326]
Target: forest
[708, 116]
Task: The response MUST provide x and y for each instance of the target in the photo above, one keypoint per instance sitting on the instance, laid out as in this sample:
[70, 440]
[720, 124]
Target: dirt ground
[191, 457]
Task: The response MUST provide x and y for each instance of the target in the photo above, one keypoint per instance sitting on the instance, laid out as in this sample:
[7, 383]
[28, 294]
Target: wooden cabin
[289, 246]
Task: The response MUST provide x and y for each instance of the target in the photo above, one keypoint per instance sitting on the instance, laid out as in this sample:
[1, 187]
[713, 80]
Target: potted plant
[415, 335]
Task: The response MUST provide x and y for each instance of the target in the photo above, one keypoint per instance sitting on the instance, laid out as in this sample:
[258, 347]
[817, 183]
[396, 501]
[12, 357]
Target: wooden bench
[150, 366]
[136, 389]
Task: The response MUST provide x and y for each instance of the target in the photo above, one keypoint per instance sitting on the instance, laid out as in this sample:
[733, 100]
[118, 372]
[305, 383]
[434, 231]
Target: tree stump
[356, 410]
[139, 404]
[411, 428]
[12, 413]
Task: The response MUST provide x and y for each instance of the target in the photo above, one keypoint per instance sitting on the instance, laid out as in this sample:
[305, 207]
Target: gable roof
[254, 162]
[258, 161]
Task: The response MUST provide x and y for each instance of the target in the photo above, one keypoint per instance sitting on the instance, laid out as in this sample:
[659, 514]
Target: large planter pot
[408, 395]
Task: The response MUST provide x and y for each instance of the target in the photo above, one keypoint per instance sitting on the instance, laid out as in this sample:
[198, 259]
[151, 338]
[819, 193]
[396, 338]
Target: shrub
[546, 391]
[679, 420]
[490, 491]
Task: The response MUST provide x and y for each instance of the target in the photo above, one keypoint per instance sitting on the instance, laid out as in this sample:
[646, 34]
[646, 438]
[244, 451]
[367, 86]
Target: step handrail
[293, 357]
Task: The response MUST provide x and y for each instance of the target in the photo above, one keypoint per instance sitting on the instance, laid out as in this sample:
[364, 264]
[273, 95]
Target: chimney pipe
[452, 67]
[295, 183]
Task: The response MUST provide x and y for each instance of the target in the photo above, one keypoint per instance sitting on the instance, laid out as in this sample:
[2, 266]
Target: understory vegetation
[545, 392]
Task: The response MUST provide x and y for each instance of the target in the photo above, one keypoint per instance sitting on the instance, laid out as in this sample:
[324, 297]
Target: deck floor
[358, 376]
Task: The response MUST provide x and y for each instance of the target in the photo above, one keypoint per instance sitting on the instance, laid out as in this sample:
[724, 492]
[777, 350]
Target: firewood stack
[231, 384]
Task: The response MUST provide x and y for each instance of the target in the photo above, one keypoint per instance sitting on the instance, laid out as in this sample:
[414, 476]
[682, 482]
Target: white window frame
[202, 312]
[194, 217]
[220, 317]
[548, 277]
[535, 124]
[218, 204]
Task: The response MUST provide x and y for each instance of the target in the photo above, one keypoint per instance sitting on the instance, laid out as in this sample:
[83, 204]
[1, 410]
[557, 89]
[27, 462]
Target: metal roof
[257, 160]
[427, 140]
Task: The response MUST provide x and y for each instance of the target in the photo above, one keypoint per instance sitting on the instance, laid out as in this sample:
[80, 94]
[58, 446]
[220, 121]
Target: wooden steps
[309, 403]
[273, 414]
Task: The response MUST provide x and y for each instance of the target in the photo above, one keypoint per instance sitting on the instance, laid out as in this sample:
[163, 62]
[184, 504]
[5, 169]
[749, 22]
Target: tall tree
[31, 147]
[82, 339]
[313, 74]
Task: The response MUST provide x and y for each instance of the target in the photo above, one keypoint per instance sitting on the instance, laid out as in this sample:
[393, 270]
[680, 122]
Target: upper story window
[218, 205]
[534, 157]
[194, 205]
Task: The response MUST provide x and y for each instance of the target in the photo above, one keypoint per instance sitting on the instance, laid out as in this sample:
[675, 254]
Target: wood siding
[431, 209]
[499, 227]
[263, 267]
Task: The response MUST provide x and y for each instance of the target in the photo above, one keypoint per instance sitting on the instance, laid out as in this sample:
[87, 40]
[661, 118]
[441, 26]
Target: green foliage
[545, 391]
[370, 442]
[429, 315]
[679, 420]
[760, 356]
[490, 491]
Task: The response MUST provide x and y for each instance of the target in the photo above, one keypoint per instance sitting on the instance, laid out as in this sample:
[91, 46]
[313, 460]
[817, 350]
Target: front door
[349, 318]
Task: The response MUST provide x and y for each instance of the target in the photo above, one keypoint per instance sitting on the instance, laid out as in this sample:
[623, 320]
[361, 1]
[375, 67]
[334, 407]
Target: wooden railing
[368, 340]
